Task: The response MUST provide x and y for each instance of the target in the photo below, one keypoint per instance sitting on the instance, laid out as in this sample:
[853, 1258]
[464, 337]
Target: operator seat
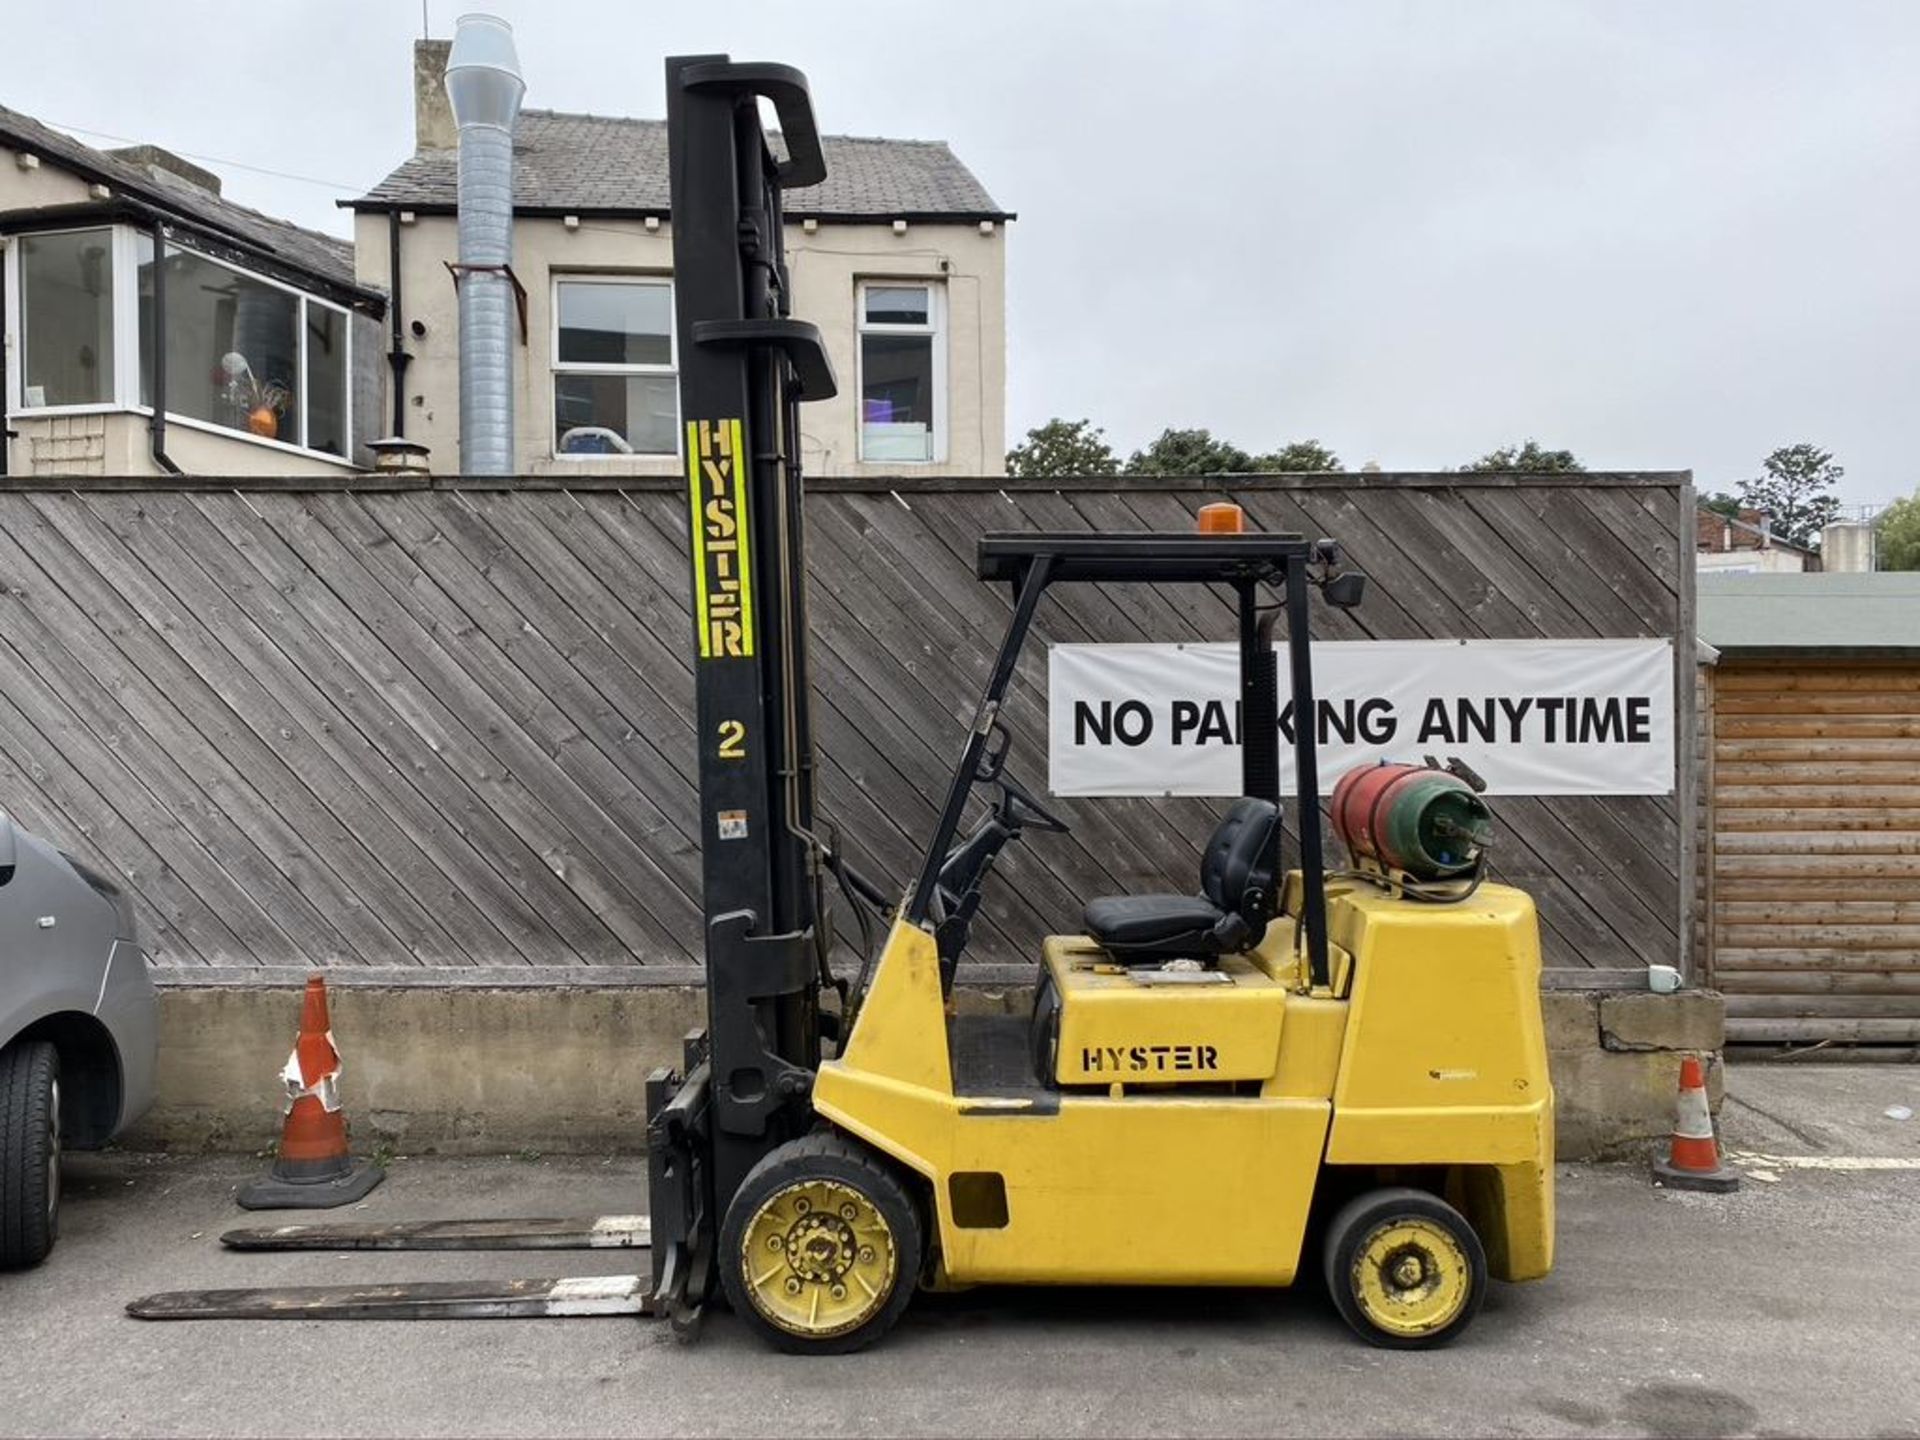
[1231, 913]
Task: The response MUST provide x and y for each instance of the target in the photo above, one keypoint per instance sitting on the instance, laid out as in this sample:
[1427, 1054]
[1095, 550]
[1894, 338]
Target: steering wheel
[1016, 798]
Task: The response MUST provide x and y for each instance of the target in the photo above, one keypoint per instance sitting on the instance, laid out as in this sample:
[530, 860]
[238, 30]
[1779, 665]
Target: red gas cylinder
[1426, 822]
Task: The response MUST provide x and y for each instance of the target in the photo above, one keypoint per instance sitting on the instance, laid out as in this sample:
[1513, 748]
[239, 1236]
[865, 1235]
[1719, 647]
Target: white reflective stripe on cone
[1692, 1120]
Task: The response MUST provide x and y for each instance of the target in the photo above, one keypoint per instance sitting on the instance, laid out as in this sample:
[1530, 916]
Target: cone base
[1722, 1181]
[274, 1193]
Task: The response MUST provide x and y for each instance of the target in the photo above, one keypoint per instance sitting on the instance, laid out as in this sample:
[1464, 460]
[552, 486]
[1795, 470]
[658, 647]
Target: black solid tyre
[1405, 1269]
[880, 1250]
[29, 1153]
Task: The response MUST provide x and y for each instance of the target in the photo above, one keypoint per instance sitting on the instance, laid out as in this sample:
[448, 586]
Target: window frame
[935, 327]
[120, 251]
[127, 356]
[556, 367]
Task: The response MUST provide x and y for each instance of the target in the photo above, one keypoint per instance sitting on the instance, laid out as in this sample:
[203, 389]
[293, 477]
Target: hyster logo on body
[1138, 1059]
[722, 574]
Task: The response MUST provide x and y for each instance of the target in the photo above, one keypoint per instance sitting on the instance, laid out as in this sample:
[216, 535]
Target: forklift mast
[745, 367]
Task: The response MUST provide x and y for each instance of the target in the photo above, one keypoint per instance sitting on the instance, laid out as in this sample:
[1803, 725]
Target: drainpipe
[484, 86]
[397, 357]
[157, 425]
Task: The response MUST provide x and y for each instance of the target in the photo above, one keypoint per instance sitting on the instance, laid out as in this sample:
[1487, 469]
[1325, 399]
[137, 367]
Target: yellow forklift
[1205, 1079]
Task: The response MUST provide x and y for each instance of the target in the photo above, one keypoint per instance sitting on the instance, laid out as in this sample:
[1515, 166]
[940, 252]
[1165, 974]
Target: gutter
[659, 212]
[157, 423]
[397, 358]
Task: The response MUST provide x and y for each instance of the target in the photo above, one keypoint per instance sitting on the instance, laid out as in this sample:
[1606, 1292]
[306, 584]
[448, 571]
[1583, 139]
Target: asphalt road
[1792, 1307]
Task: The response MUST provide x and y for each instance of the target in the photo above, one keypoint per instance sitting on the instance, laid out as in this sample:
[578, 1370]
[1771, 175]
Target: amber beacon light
[1222, 517]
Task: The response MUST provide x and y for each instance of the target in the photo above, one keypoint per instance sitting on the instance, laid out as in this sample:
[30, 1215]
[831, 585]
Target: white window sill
[63, 412]
[207, 427]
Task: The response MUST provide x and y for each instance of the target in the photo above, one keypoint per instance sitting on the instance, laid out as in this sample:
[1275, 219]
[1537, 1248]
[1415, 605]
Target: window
[246, 354]
[66, 318]
[614, 387]
[243, 353]
[902, 372]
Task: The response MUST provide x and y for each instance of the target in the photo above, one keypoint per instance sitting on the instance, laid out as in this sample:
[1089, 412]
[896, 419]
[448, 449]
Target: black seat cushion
[1236, 876]
[1132, 921]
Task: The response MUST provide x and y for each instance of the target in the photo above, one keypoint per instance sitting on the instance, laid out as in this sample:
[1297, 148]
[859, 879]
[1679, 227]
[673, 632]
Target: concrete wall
[825, 267]
[561, 1068]
[1771, 561]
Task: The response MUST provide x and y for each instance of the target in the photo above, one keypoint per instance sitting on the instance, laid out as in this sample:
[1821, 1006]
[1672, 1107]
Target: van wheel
[29, 1153]
[1405, 1269]
[821, 1247]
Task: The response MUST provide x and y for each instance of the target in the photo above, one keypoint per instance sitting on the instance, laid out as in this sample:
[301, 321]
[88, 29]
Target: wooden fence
[448, 726]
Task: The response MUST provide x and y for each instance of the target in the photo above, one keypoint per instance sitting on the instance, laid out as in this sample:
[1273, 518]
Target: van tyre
[29, 1153]
[1405, 1269]
[821, 1248]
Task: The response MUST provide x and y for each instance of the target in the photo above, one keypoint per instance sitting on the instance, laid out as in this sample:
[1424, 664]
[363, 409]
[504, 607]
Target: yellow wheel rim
[818, 1258]
[1411, 1277]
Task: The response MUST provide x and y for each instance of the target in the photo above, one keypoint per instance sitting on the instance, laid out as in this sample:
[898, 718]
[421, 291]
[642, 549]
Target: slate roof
[1822, 612]
[592, 163]
[325, 257]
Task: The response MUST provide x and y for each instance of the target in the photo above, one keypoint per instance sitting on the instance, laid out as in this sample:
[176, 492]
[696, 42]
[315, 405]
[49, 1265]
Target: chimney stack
[432, 111]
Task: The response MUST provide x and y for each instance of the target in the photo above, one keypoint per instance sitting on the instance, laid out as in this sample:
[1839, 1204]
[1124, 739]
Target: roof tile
[325, 256]
[600, 163]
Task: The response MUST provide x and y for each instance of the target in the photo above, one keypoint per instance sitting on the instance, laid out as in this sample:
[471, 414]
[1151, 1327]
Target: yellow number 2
[733, 740]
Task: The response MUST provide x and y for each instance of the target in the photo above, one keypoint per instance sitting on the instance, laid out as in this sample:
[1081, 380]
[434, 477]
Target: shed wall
[1815, 862]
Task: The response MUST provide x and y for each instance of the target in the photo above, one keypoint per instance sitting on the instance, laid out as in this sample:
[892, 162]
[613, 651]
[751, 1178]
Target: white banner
[1534, 717]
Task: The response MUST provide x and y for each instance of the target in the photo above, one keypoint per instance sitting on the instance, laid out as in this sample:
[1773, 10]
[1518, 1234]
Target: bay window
[246, 354]
[902, 371]
[243, 353]
[615, 388]
[66, 318]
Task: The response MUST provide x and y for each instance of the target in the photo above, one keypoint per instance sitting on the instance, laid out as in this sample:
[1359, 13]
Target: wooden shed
[1811, 865]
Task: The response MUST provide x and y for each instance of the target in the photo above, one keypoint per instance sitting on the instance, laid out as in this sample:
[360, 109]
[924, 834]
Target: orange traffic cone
[1692, 1161]
[313, 1169]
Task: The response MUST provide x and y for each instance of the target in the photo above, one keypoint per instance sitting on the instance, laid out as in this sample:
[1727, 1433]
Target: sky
[1662, 236]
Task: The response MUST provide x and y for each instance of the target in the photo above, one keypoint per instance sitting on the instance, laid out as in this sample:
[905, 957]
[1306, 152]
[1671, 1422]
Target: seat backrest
[1239, 860]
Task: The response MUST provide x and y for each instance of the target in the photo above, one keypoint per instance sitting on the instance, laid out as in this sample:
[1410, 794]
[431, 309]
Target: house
[899, 257]
[251, 349]
[1745, 544]
[1811, 853]
[283, 351]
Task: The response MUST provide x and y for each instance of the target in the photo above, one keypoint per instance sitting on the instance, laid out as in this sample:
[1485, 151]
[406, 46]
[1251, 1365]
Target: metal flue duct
[484, 86]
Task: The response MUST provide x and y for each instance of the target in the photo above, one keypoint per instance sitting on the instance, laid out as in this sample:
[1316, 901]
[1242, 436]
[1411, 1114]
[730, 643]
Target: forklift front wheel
[821, 1247]
[1405, 1269]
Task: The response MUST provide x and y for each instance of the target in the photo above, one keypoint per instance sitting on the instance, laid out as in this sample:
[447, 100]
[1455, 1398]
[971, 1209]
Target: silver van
[79, 1025]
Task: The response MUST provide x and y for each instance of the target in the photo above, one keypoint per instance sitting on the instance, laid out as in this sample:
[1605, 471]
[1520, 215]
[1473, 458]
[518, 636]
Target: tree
[1795, 490]
[1190, 452]
[1721, 503]
[1899, 527]
[1528, 459]
[1302, 456]
[1064, 447]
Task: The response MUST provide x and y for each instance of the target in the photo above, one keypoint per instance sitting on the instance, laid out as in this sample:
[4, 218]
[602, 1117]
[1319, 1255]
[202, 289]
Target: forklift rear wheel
[1405, 1269]
[822, 1247]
